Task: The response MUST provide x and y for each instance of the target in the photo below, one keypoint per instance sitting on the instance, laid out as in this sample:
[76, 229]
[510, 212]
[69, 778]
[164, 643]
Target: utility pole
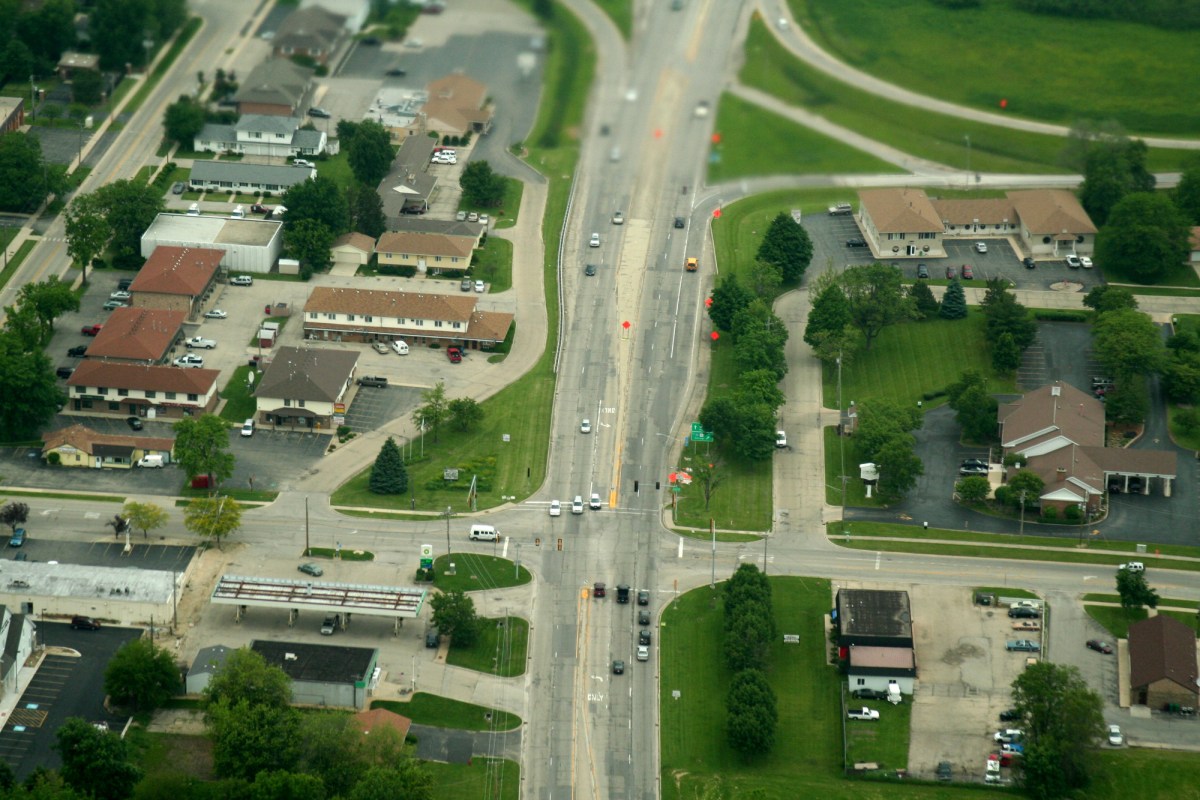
[447, 535]
[968, 138]
[1022, 512]
[712, 527]
[306, 548]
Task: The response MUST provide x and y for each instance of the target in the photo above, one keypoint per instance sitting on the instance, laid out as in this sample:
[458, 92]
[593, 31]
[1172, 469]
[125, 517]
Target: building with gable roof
[276, 87]
[176, 278]
[12, 114]
[457, 105]
[371, 315]
[312, 31]
[305, 387]
[138, 336]
[270, 135]
[1059, 431]
[80, 446]
[380, 718]
[1053, 222]
[409, 184]
[19, 634]
[353, 248]
[900, 223]
[1162, 662]
[427, 252]
[238, 176]
[208, 662]
[104, 388]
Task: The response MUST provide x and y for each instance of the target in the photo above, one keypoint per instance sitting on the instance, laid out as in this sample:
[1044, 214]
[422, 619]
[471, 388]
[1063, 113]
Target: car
[1085, 262]
[1027, 625]
[577, 504]
[968, 274]
[190, 360]
[618, 218]
[380, 347]
[643, 617]
[134, 423]
[1028, 263]
[396, 72]
[370, 40]
[1009, 715]
[981, 247]
[78, 351]
[1022, 645]
[1011, 749]
[679, 223]
[64, 372]
[618, 667]
[944, 771]
[974, 462]
[856, 242]
[473, 216]
[1073, 262]
[594, 241]
[21, 556]
[922, 271]
[465, 285]
[972, 470]
[555, 508]
[311, 569]
[259, 208]
[589, 270]
[317, 111]
[1024, 604]
[993, 765]
[216, 313]
[869, 694]
[113, 305]
[18, 538]
[841, 210]
[177, 187]
[1115, 737]
[329, 625]
[461, 216]
[1135, 485]
[594, 502]
[644, 636]
[200, 342]
[432, 638]
[702, 108]
[864, 713]
[248, 427]
[643, 597]
[1008, 735]
[124, 284]
[1099, 646]
[585, 426]
[631, 95]
[643, 653]
[1133, 566]
[119, 294]
[377, 381]
[241, 280]
[781, 438]
[85, 624]
[480, 287]
[951, 272]
[1024, 613]
[598, 590]
[691, 264]
[454, 354]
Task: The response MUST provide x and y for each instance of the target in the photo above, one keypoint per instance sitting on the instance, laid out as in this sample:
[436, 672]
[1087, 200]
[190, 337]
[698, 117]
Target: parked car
[922, 272]
[781, 438]
[85, 624]
[1115, 737]
[454, 354]
[64, 372]
[432, 638]
[113, 305]
[311, 569]
[864, 713]
[856, 242]
[1135, 485]
[380, 347]
[91, 330]
[241, 280]
[199, 342]
[248, 427]
[190, 360]
[18, 538]
[465, 285]
[1024, 613]
[951, 272]
[1012, 749]
[259, 208]
[78, 351]
[1008, 735]
[177, 187]
[1022, 645]
[944, 771]
[1073, 262]
[377, 381]
[981, 247]
[1099, 646]
[869, 694]
[973, 469]
[1027, 625]
[480, 287]
[317, 111]
[1028, 262]
[1085, 262]
[329, 625]
[1009, 715]
[968, 274]
[555, 508]
[216, 313]
[134, 423]
[119, 294]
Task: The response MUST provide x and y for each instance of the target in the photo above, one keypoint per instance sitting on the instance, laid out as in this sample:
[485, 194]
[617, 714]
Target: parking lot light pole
[448, 533]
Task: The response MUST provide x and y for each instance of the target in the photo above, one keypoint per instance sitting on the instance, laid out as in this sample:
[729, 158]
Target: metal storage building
[250, 245]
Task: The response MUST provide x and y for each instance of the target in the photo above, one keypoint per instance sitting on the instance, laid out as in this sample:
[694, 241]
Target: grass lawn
[926, 134]
[1117, 620]
[1181, 437]
[886, 741]
[856, 492]
[479, 572]
[1180, 275]
[442, 712]
[1060, 554]
[493, 264]
[494, 778]
[500, 650]
[506, 215]
[621, 14]
[1021, 59]
[239, 405]
[172, 754]
[912, 358]
[1096, 597]
[755, 141]
[337, 169]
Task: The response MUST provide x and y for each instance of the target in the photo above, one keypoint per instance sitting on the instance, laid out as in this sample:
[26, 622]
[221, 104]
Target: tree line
[751, 708]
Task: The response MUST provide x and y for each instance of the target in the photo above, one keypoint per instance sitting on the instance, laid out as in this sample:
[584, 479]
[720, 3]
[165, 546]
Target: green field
[442, 712]
[474, 571]
[937, 137]
[856, 492]
[755, 142]
[1049, 68]
[500, 649]
[1116, 620]
[492, 778]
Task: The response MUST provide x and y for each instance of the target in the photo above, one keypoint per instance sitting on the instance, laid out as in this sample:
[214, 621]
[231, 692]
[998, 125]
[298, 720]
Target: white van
[239, 212]
[194, 210]
[484, 533]
[400, 347]
[151, 462]
[248, 427]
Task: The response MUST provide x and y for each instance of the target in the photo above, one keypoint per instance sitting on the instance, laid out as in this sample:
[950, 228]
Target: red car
[90, 330]
[951, 273]
[967, 272]
[454, 354]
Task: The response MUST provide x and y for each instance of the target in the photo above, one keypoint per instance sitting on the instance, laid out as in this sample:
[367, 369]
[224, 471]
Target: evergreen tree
[954, 302]
[388, 475]
[728, 298]
[830, 314]
[927, 304]
[1006, 355]
[787, 246]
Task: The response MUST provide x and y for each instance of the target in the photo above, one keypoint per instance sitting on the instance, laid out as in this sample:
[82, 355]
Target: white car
[981, 247]
[1073, 262]
[780, 439]
[643, 653]
[241, 280]
[216, 313]
[555, 508]
[1115, 737]
[248, 428]
[480, 287]
[1133, 566]
[200, 342]
[702, 108]
[1085, 262]
[120, 294]
[577, 505]
[483, 219]
[585, 426]
[1008, 735]
[631, 95]
[594, 502]
[595, 242]
[618, 218]
[189, 360]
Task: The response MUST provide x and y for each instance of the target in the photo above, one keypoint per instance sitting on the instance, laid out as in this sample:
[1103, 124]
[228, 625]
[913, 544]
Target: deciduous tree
[88, 233]
[1127, 342]
[87, 87]
[406, 778]
[388, 475]
[95, 762]
[145, 517]
[1006, 355]
[202, 448]
[1110, 298]
[250, 738]
[436, 410]
[764, 278]
[27, 384]
[752, 714]
[975, 407]
[1063, 720]
[183, 121]
[318, 199]
[129, 206]
[247, 677]
[1146, 237]
[1114, 169]
[22, 176]
[48, 300]
[728, 298]
[141, 676]
[366, 211]
[830, 314]
[465, 412]
[14, 514]
[973, 488]
[1187, 191]
[213, 517]
[310, 242]
[454, 615]
[707, 476]
[1135, 592]
[877, 299]
[369, 152]
[899, 467]
[787, 246]
[481, 186]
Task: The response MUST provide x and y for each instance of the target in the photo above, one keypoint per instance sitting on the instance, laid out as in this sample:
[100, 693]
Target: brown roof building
[305, 387]
[377, 718]
[138, 335]
[80, 446]
[369, 315]
[176, 278]
[275, 87]
[311, 31]
[1162, 662]
[106, 388]
[457, 105]
[436, 252]
[900, 222]
[1060, 432]
[353, 248]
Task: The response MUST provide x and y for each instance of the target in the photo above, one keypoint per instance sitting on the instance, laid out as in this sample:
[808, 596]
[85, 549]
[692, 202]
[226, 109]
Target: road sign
[697, 429]
[426, 563]
[426, 551]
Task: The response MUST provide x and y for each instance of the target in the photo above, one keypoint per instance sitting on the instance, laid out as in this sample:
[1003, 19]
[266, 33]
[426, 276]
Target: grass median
[501, 648]
[443, 712]
[474, 571]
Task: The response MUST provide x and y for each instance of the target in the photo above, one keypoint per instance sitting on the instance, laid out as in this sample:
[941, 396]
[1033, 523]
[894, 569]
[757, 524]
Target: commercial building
[177, 278]
[250, 245]
[306, 388]
[104, 388]
[80, 446]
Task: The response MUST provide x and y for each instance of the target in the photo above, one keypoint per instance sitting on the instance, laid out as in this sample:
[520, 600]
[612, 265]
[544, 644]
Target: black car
[974, 462]
[589, 270]
[78, 351]
[973, 470]
[1135, 485]
[1028, 262]
[370, 40]
[134, 423]
[317, 111]
[643, 597]
[396, 72]
[644, 636]
[679, 223]
[643, 617]
[84, 624]
[856, 243]
[869, 694]
[124, 284]
[378, 381]
[64, 372]
[618, 667]
[944, 771]
[1024, 613]
[432, 638]
[922, 271]
[1009, 715]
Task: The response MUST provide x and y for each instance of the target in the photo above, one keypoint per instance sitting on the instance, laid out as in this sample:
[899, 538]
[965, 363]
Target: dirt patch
[957, 655]
[182, 753]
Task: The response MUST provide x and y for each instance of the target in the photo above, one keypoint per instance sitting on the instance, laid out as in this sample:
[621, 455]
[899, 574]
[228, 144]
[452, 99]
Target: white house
[261, 135]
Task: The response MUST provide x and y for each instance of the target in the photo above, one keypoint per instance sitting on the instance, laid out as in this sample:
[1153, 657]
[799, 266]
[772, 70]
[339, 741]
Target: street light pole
[447, 534]
[968, 138]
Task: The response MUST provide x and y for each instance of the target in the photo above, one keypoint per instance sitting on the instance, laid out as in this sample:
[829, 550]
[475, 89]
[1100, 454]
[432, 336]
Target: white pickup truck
[201, 343]
[869, 714]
